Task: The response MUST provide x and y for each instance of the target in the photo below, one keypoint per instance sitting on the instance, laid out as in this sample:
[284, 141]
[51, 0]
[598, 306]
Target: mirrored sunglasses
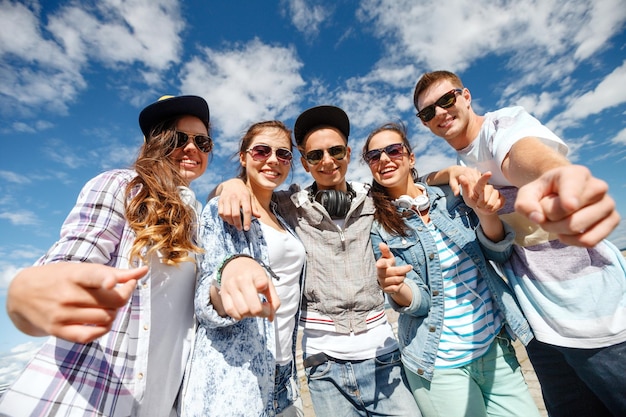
[263, 152]
[446, 101]
[315, 156]
[203, 142]
[394, 151]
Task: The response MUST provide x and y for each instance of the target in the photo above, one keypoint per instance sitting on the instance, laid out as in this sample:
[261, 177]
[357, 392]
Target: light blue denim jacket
[421, 323]
[233, 368]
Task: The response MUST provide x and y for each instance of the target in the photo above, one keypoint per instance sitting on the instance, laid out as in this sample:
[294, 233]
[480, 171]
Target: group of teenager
[157, 307]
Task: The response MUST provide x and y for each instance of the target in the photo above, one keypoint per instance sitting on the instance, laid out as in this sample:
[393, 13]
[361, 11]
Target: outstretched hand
[570, 202]
[479, 195]
[73, 301]
[390, 277]
[247, 291]
[450, 176]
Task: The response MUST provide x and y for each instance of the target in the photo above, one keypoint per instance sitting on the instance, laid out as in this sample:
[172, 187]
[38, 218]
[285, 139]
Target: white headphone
[421, 202]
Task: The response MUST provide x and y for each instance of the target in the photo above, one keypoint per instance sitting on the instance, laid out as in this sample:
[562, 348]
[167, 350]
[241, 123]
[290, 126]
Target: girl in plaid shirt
[120, 337]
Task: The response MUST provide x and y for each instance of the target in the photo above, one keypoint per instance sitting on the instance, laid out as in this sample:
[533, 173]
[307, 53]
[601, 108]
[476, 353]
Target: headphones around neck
[337, 203]
[421, 202]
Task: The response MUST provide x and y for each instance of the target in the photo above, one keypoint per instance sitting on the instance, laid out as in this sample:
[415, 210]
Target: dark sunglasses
[446, 101]
[316, 155]
[263, 152]
[395, 151]
[203, 142]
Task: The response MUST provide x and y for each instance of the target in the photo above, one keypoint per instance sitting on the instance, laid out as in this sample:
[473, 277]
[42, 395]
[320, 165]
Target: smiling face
[452, 123]
[329, 173]
[264, 175]
[392, 173]
[190, 161]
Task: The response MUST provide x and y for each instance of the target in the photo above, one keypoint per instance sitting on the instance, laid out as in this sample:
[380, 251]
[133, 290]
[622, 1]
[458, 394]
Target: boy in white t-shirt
[569, 281]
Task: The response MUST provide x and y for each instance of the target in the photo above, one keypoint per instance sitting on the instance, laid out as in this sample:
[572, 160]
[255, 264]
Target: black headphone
[421, 202]
[337, 203]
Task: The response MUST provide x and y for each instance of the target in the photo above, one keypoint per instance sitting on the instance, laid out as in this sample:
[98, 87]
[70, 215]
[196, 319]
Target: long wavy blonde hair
[161, 220]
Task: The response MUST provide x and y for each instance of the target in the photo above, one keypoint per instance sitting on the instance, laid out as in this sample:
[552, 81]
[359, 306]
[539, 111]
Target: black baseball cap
[169, 107]
[320, 116]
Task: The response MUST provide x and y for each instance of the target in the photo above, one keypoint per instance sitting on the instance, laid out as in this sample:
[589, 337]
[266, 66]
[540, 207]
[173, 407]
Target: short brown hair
[430, 78]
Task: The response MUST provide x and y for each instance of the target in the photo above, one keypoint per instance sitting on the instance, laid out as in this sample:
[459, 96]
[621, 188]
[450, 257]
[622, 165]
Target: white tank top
[286, 258]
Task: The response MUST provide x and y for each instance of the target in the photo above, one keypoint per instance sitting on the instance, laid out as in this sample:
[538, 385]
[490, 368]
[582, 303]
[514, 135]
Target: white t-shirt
[286, 256]
[171, 335]
[571, 296]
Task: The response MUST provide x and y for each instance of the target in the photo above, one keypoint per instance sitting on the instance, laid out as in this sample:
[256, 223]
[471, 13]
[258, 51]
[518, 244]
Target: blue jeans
[286, 390]
[373, 387]
[581, 382]
[492, 385]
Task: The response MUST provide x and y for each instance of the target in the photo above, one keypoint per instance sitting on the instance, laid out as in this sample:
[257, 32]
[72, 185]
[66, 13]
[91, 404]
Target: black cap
[169, 107]
[320, 116]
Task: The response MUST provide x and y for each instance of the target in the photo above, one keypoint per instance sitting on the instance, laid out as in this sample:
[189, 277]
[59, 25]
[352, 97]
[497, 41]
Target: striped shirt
[470, 322]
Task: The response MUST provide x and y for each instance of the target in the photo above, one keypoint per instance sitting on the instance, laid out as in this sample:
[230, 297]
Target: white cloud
[538, 104]
[13, 363]
[13, 177]
[7, 272]
[306, 17]
[620, 138]
[243, 84]
[24, 217]
[144, 31]
[13, 259]
[539, 43]
[59, 151]
[608, 93]
[448, 35]
[605, 18]
[54, 56]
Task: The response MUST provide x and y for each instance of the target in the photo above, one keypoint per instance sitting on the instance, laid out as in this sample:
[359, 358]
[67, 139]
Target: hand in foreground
[481, 196]
[237, 204]
[391, 277]
[244, 281]
[73, 301]
[570, 202]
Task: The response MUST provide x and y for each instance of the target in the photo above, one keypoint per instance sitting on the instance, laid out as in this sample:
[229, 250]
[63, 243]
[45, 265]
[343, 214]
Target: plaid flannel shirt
[107, 376]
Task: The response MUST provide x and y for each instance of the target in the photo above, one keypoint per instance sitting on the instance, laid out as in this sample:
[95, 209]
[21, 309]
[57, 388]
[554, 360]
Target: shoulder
[515, 117]
[113, 182]
[440, 191]
[211, 207]
[114, 176]
[360, 187]
[512, 111]
[442, 198]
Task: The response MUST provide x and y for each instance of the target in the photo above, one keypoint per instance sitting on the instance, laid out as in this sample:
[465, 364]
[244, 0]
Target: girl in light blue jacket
[243, 361]
[457, 315]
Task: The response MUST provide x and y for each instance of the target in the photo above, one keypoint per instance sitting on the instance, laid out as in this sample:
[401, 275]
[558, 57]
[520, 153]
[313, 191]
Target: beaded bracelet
[218, 279]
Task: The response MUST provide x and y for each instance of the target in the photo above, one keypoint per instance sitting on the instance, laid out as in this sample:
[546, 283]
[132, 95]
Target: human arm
[485, 201]
[563, 198]
[395, 275]
[74, 301]
[71, 279]
[391, 277]
[450, 176]
[237, 204]
[242, 279]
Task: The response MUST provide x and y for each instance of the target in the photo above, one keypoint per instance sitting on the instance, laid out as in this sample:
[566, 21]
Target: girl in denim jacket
[434, 265]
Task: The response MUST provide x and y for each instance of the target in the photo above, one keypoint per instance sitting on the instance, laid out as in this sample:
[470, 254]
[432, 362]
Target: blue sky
[75, 74]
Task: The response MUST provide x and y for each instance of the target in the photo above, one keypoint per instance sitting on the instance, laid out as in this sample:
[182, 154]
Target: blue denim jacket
[421, 323]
